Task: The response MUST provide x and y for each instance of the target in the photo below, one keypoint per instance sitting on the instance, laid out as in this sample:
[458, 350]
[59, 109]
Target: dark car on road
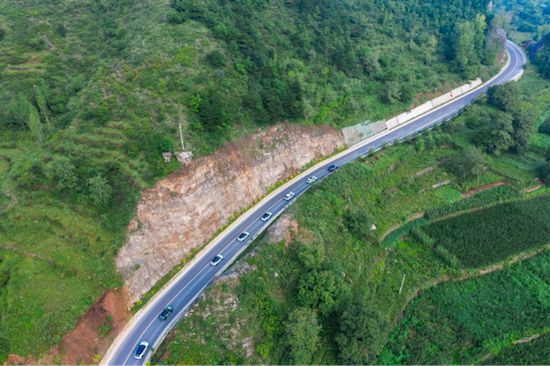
[166, 313]
[333, 168]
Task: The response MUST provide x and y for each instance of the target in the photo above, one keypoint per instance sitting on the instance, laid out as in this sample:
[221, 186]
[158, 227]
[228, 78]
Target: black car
[333, 168]
[166, 313]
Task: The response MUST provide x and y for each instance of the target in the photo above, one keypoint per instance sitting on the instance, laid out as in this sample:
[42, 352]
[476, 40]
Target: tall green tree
[302, 335]
[501, 134]
[319, 289]
[523, 124]
[34, 124]
[471, 161]
[42, 97]
[363, 333]
[100, 190]
[359, 223]
[61, 171]
[506, 97]
[20, 109]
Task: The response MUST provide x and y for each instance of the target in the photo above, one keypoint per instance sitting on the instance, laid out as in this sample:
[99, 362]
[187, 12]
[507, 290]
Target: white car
[266, 216]
[311, 180]
[243, 236]
[289, 196]
[140, 350]
[216, 260]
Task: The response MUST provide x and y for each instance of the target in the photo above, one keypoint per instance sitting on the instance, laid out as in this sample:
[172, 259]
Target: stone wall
[184, 210]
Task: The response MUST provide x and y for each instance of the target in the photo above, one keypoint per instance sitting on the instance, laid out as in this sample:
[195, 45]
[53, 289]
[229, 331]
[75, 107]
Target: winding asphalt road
[181, 293]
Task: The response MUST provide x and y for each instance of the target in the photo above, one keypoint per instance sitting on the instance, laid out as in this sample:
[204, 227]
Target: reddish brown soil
[81, 343]
[473, 191]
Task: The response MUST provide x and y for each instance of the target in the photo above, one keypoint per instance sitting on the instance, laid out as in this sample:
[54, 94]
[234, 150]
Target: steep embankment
[186, 209]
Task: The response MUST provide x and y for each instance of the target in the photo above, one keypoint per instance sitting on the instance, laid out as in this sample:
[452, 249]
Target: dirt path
[473, 191]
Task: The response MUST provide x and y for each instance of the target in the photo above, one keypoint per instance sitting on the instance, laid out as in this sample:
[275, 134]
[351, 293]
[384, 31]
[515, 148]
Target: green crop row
[487, 236]
[392, 237]
[462, 322]
[480, 199]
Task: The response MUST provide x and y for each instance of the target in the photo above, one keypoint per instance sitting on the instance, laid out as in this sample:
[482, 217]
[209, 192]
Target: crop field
[491, 235]
[535, 352]
[462, 322]
[480, 199]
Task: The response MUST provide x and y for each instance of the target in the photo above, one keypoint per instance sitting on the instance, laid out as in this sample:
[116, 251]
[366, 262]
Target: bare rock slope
[184, 210]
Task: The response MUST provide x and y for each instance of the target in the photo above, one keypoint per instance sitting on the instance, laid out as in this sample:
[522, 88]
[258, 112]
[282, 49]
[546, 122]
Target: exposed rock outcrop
[184, 210]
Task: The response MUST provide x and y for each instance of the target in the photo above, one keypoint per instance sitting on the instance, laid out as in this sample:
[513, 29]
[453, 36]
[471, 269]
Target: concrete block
[455, 93]
[392, 123]
[441, 100]
[362, 131]
[402, 118]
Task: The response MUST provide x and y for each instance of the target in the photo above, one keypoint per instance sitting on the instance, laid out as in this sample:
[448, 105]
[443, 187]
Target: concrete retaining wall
[413, 113]
[456, 92]
[362, 131]
[441, 100]
[392, 123]
[472, 85]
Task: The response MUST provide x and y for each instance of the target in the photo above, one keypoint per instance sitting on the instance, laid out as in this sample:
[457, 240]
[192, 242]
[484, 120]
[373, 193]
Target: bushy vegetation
[532, 353]
[487, 236]
[462, 322]
[403, 230]
[480, 199]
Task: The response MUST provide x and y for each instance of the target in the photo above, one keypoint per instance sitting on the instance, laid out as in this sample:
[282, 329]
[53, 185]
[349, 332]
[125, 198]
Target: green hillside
[94, 91]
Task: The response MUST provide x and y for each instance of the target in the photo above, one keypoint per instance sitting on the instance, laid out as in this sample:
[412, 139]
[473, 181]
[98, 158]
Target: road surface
[181, 293]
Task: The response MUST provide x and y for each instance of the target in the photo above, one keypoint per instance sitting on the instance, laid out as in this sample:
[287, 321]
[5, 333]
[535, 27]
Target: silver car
[266, 216]
[311, 180]
[290, 196]
[243, 236]
[216, 260]
[140, 350]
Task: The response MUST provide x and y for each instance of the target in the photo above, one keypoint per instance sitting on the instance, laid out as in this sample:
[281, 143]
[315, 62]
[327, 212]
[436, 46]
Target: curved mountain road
[183, 289]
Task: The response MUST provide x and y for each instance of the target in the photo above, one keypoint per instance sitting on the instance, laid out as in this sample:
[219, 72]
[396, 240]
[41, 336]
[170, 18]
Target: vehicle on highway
[266, 216]
[333, 168]
[311, 180]
[243, 236]
[289, 196]
[140, 350]
[166, 313]
[216, 260]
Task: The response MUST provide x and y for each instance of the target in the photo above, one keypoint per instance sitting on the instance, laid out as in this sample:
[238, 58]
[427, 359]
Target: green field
[491, 235]
[462, 322]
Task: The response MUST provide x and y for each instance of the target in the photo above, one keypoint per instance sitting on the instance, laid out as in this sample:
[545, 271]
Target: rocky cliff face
[184, 210]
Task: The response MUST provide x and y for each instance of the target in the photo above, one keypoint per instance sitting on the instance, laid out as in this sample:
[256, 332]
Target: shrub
[450, 259]
[421, 236]
[392, 237]
[545, 127]
[216, 59]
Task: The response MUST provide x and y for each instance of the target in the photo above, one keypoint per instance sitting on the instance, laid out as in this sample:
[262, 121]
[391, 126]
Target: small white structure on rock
[184, 157]
[167, 156]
